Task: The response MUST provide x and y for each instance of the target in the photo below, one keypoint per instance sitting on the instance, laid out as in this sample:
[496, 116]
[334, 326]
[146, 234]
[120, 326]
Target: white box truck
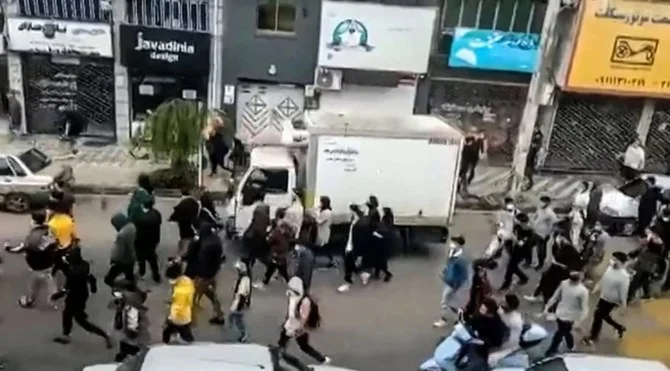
[409, 162]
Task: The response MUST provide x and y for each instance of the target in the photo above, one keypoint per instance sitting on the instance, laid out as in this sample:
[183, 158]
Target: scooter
[453, 353]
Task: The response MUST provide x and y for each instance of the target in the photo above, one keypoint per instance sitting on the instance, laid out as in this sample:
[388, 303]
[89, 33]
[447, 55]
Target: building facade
[612, 88]
[164, 52]
[60, 56]
[268, 58]
[373, 56]
[483, 57]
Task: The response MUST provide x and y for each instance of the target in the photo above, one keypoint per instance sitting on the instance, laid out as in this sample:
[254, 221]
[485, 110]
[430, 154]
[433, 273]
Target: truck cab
[273, 170]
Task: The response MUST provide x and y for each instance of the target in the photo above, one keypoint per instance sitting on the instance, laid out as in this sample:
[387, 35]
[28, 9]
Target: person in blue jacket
[455, 275]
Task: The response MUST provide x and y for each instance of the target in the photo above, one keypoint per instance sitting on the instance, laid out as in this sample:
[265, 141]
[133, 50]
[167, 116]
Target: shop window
[276, 16]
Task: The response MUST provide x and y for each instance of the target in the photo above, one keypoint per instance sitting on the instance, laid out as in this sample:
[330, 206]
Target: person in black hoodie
[148, 224]
[217, 149]
[488, 327]
[40, 250]
[565, 259]
[517, 251]
[648, 206]
[357, 246]
[205, 254]
[382, 237]
[185, 214]
[78, 281]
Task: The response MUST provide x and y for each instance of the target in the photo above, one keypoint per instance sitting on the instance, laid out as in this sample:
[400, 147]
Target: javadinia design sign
[59, 37]
[165, 50]
[375, 36]
[623, 48]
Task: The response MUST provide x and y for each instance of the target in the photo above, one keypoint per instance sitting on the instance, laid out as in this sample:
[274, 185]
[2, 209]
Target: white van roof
[376, 124]
[272, 157]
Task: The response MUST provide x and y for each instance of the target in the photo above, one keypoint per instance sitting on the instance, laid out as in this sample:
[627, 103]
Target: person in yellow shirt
[63, 229]
[180, 314]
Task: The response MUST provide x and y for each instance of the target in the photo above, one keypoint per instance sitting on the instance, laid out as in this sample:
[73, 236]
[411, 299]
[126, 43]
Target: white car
[208, 357]
[591, 362]
[20, 184]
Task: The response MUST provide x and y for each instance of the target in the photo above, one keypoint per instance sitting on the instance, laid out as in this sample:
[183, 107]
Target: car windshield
[553, 364]
[35, 159]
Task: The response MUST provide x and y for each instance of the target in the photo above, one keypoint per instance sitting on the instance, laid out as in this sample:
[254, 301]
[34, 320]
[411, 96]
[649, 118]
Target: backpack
[314, 319]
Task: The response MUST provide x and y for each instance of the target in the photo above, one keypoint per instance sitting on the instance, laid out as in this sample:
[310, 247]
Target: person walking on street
[279, 241]
[633, 160]
[123, 256]
[520, 248]
[648, 206]
[647, 259]
[241, 302]
[130, 319]
[572, 307]
[565, 259]
[593, 252]
[254, 238]
[544, 221]
[324, 220]
[531, 159]
[303, 265]
[613, 289]
[180, 316]
[302, 316]
[455, 275]
[140, 197]
[40, 249]
[79, 284]
[387, 243]
[63, 228]
[185, 214]
[148, 225]
[217, 149]
[295, 213]
[357, 243]
[205, 252]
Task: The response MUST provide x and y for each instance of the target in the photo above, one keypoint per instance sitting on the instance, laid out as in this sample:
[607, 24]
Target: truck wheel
[17, 202]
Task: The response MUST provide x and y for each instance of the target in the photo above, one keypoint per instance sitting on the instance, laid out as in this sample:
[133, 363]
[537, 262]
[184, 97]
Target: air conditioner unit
[328, 79]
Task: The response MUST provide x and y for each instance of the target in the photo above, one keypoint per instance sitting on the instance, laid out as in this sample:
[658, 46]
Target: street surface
[380, 327]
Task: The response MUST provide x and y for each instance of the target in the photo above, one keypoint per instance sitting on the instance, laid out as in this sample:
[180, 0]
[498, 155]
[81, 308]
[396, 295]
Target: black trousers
[75, 311]
[184, 332]
[350, 267]
[125, 350]
[148, 256]
[603, 313]
[640, 281]
[563, 332]
[539, 244]
[116, 269]
[303, 343]
[514, 270]
[274, 266]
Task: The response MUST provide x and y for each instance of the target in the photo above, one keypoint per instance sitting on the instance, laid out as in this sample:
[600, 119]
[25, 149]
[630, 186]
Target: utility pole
[540, 83]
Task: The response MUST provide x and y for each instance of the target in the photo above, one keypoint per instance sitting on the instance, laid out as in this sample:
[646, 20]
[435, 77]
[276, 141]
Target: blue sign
[494, 50]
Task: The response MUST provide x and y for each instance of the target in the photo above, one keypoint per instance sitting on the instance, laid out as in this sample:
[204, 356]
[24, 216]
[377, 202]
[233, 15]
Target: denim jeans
[236, 322]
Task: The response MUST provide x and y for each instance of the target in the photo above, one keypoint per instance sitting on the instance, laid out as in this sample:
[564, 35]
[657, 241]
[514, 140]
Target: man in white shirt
[633, 160]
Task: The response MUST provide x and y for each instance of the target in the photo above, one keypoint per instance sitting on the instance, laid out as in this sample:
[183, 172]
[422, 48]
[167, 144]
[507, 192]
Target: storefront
[64, 65]
[359, 63]
[164, 64]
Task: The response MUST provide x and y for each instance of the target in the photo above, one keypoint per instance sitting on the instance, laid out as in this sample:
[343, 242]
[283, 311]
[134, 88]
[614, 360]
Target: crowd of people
[576, 270]
[290, 244]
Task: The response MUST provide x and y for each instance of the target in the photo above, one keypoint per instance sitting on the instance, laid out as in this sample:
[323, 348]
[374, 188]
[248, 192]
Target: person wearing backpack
[40, 251]
[131, 321]
[302, 317]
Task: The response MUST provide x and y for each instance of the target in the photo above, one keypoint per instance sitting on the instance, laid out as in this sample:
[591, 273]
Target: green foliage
[173, 131]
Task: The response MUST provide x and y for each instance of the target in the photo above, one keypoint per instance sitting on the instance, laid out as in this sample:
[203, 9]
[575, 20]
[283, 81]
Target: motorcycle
[454, 353]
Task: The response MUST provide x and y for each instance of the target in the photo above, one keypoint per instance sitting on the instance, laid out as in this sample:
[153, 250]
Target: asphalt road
[379, 327]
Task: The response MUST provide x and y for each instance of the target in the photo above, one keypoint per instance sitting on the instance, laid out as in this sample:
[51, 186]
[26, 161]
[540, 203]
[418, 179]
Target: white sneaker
[259, 285]
[531, 298]
[550, 317]
[365, 278]
[344, 288]
[440, 324]
[327, 361]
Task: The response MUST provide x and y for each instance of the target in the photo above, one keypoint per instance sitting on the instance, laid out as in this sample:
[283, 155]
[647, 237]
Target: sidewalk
[489, 188]
[98, 169]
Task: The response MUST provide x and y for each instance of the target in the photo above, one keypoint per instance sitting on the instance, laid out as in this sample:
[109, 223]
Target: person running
[39, 248]
[279, 242]
[79, 284]
[241, 302]
[303, 259]
[185, 214]
[387, 244]
[565, 259]
[301, 317]
[544, 221]
[130, 319]
[140, 197]
[572, 307]
[517, 251]
[180, 316]
[123, 256]
[148, 225]
[613, 287]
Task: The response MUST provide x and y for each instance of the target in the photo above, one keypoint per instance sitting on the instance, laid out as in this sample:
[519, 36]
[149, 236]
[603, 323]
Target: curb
[84, 189]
